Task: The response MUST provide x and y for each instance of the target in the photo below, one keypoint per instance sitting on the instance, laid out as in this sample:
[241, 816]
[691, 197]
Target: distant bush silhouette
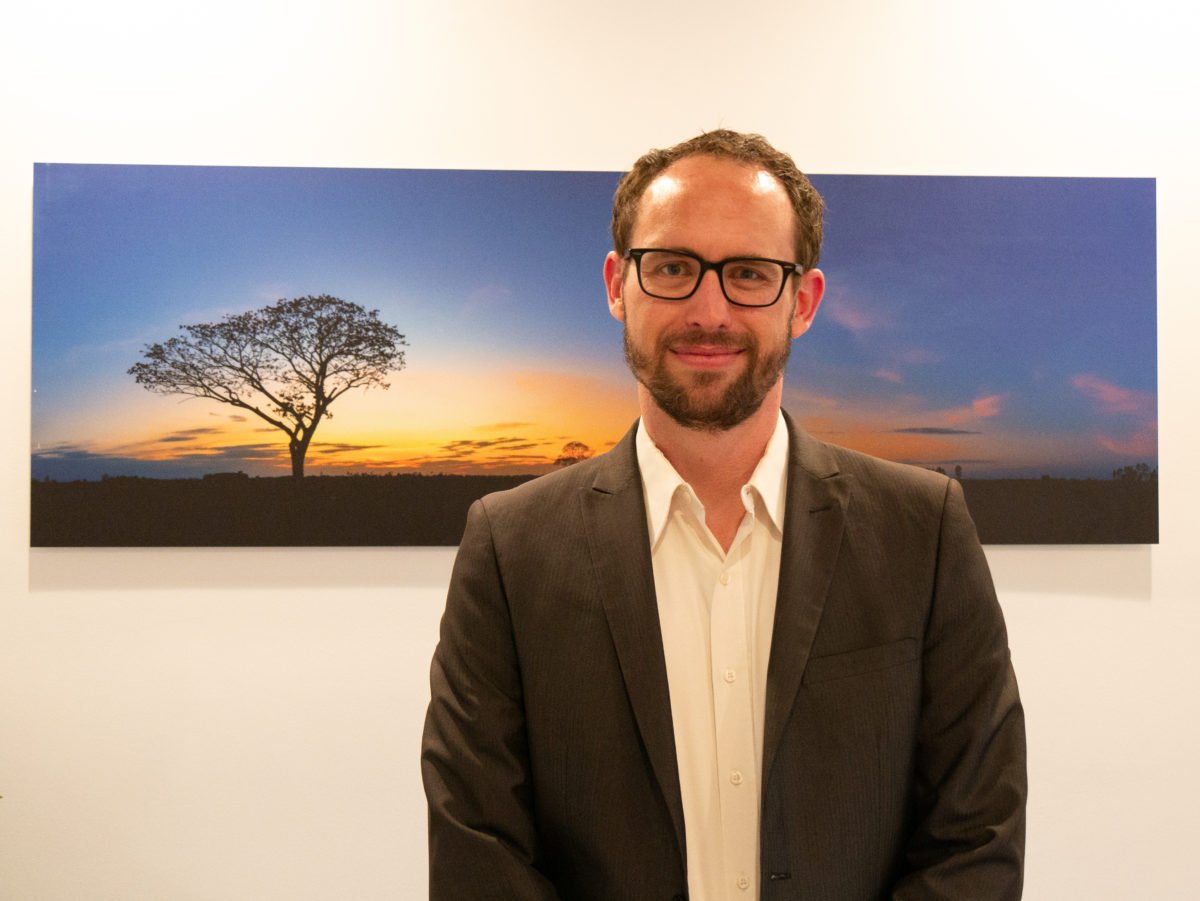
[1139, 472]
[573, 452]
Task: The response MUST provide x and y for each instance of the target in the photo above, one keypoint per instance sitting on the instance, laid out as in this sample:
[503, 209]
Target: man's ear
[808, 298]
[614, 284]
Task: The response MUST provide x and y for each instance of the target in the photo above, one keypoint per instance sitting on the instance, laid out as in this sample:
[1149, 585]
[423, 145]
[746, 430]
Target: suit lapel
[812, 535]
[614, 516]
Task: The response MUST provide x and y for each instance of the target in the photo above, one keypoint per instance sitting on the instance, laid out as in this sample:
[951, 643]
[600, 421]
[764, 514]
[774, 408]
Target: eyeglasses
[676, 274]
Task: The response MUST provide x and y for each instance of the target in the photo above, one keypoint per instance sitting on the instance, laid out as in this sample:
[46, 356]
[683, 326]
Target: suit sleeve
[970, 783]
[483, 841]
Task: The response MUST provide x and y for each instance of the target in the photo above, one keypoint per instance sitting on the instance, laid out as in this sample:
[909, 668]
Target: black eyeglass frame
[636, 254]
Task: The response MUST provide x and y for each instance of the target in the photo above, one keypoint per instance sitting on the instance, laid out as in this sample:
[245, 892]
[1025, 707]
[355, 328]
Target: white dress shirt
[717, 611]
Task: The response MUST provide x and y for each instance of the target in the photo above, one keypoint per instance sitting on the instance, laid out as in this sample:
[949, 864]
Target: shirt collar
[660, 481]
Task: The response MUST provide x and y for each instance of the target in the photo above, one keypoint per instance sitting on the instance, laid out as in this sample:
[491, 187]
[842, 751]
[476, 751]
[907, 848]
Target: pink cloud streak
[1110, 398]
[980, 408]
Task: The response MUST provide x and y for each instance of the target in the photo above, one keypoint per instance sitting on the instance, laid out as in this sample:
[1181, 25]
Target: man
[723, 660]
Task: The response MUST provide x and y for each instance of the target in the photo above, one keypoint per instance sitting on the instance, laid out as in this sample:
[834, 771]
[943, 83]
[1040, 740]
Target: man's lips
[709, 356]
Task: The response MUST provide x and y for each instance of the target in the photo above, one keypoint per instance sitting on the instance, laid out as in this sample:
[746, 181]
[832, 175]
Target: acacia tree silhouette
[285, 363]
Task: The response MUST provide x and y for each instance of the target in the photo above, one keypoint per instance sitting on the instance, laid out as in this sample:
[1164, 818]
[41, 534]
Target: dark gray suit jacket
[894, 743]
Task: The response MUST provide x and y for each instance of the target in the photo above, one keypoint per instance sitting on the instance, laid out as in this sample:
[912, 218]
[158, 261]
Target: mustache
[711, 339]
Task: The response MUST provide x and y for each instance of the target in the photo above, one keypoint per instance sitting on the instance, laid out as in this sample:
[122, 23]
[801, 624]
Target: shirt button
[724, 578]
[736, 777]
[743, 883]
[730, 675]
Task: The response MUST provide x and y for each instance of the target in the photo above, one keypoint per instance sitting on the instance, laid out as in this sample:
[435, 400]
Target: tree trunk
[300, 441]
[298, 451]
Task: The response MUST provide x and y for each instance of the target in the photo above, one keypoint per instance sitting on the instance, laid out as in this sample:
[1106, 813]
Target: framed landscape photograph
[250, 356]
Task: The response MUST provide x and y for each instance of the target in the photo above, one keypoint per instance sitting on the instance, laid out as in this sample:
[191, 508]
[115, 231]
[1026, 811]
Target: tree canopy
[285, 363]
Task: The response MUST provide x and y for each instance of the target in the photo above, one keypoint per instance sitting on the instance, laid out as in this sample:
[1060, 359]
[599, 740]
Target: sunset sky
[1004, 325]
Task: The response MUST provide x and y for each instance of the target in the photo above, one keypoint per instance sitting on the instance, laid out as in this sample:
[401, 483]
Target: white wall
[218, 725]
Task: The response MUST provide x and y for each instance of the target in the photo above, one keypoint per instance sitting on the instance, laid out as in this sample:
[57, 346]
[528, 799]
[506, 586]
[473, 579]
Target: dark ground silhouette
[248, 512]
[1063, 511]
[237, 511]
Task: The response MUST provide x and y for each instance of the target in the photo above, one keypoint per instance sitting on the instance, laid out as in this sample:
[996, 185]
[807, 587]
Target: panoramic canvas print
[237, 356]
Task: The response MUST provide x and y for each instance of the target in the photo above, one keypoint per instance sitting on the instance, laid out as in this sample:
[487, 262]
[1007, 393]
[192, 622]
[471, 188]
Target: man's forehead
[703, 169]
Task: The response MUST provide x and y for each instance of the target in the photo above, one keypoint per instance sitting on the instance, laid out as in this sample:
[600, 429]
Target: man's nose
[708, 307]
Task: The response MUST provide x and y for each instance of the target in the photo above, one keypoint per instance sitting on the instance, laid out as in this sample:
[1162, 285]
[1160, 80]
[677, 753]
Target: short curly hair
[725, 144]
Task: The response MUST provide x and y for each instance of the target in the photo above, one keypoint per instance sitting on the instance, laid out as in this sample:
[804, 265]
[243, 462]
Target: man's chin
[711, 381]
[716, 418]
[705, 409]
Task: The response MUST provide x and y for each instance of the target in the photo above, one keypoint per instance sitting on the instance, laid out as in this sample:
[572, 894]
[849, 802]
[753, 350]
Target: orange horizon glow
[472, 418]
[505, 422]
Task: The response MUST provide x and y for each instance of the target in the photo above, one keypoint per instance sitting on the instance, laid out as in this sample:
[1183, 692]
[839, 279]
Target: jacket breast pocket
[856, 663]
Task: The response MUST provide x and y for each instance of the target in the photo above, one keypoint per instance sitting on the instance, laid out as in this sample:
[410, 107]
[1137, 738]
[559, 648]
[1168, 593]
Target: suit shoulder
[821, 460]
[876, 469]
[544, 491]
[893, 505]
[888, 488]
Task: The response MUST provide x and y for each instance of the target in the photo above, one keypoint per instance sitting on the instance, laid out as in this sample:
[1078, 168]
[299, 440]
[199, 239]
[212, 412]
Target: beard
[687, 399]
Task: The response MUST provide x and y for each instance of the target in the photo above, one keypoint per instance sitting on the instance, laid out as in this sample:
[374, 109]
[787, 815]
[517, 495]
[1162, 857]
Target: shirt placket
[737, 769]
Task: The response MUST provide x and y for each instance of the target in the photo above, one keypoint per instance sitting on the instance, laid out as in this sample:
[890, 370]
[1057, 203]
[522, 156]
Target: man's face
[707, 363]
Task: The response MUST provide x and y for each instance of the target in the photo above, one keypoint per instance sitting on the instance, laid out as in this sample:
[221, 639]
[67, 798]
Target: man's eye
[673, 267]
[745, 272]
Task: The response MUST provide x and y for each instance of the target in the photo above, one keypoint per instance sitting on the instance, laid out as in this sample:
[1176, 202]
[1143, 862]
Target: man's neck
[715, 463]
